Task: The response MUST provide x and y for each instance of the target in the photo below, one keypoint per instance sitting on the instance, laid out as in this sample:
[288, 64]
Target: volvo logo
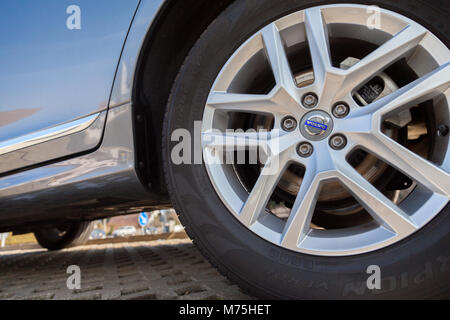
[316, 125]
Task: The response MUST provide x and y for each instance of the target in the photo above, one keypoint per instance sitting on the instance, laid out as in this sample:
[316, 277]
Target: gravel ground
[163, 269]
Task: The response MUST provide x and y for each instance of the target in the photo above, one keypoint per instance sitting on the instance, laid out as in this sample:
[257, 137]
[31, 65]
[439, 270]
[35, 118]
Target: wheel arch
[172, 33]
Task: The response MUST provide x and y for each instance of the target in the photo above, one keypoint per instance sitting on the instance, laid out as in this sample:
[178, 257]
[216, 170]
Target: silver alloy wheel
[397, 37]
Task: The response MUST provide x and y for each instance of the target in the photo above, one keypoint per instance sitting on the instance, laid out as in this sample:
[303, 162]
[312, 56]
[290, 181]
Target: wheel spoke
[383, 210]
[277, 104]
[278, 60]
[264, 187]
[273, 143]
[319, 47]
[417, 168]
[298, 223]
[387, 54]
[416, 92]
[233, 140]
[252, 103]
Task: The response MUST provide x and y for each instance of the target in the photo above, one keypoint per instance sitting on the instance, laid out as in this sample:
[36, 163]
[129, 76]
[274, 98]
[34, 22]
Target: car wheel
[64, 235]
[320, 147]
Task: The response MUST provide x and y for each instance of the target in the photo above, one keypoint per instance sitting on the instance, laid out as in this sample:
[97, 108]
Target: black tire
[64, 236]
[417, 267]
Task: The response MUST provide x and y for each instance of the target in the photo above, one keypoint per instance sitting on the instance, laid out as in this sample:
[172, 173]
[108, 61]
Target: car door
[58, 61]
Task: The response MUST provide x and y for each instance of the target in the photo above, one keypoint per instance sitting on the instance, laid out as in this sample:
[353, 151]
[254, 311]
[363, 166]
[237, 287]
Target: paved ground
[164, 269]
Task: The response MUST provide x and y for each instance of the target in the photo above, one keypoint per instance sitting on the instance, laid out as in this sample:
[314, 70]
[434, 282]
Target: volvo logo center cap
[316, 125]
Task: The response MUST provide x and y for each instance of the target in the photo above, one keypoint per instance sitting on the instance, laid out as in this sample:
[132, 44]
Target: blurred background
[158, 222]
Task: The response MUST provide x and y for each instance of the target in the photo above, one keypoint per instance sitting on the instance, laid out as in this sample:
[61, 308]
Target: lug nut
[340, 110]
[443, 130]
[305, 149]
[289, 124]
[338, 142]
[309, 100]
